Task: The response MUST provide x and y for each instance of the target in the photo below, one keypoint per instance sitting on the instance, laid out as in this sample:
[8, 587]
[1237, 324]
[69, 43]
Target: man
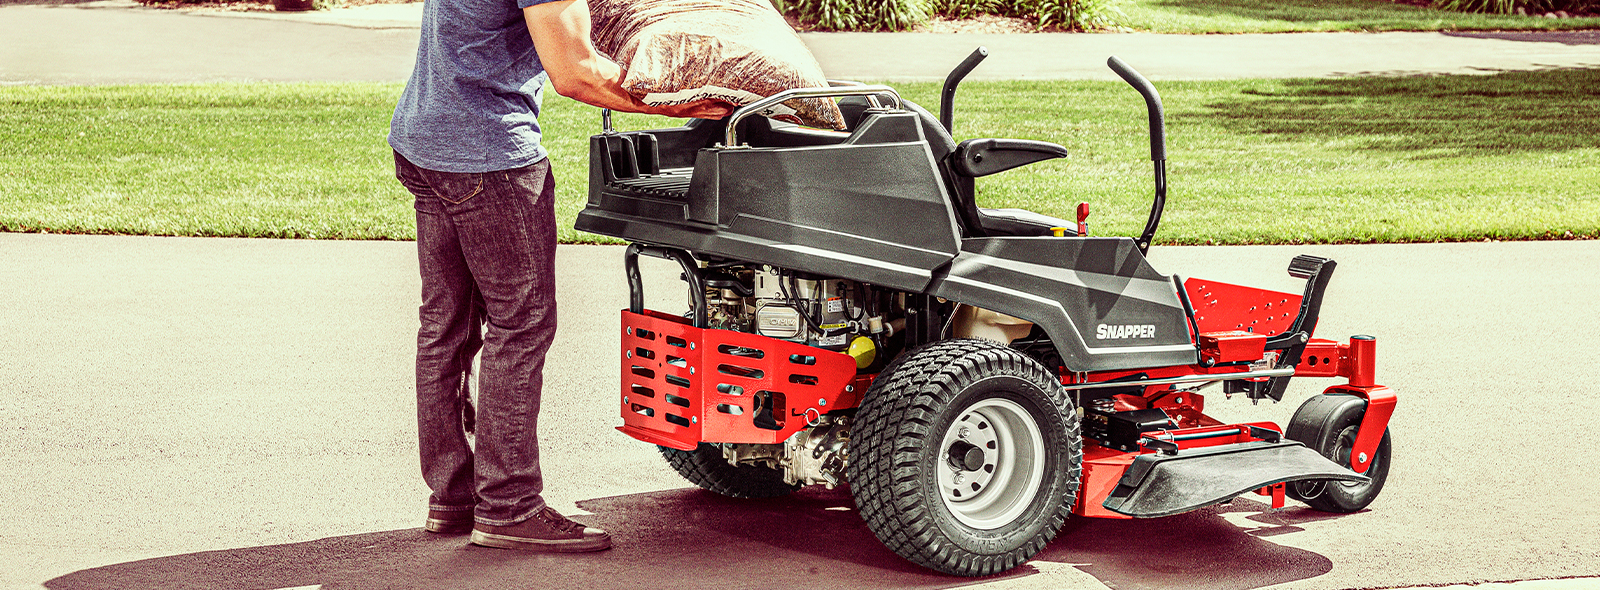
[466, 138]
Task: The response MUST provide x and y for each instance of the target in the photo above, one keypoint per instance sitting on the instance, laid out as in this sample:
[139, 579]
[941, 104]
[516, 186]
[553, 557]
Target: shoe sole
[552, 546]
[448, 527]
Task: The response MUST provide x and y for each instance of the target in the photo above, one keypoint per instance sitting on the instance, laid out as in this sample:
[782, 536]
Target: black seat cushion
[1022, 222]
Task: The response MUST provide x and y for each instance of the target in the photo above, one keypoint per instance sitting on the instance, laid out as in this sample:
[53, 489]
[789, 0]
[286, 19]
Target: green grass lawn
[1507, 156]
[1278, 16]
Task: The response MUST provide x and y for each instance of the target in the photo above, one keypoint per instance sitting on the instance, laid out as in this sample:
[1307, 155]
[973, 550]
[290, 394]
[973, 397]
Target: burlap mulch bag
[740, 51]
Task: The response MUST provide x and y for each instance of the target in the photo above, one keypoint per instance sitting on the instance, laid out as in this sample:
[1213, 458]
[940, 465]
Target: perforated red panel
[683, 385]
[1221, 307]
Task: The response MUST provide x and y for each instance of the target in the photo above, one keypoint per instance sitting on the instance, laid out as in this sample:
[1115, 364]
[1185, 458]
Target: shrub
[898, 15]
[1571, 6]
[315, 4]
[1077, 15]
[1485, 6]
[856, 15]
[1511, 6]
[964, 8]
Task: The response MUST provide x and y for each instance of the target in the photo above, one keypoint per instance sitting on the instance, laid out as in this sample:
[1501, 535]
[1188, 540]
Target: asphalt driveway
[233, 413]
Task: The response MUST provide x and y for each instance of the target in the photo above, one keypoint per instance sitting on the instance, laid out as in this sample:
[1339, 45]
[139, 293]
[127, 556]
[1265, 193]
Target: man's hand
[560, 32]
[700, 109]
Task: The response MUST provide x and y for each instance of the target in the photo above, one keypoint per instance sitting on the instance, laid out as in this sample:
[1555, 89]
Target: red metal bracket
[1359, 365]
[1231, 346]
[1380, 406]
[1325, 358]
[1277, 493]
[1221, 307]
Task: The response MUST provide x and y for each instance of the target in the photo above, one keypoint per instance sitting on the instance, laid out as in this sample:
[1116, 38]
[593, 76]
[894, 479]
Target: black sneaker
[547, 530]
[448, 522]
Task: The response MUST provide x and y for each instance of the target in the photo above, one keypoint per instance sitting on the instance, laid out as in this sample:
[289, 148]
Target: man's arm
[560, 33]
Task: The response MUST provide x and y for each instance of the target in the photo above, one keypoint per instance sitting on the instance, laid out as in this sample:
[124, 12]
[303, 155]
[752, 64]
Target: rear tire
[1328, 424]
[706, 468]
[966, 457]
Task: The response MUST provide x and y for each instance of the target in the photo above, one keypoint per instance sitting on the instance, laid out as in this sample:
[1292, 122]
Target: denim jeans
[486, 245]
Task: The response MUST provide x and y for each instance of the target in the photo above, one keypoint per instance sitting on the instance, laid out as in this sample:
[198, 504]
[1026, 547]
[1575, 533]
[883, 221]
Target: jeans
[486, 249]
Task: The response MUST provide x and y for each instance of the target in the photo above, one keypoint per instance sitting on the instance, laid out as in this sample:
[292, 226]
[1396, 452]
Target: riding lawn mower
[974, 375]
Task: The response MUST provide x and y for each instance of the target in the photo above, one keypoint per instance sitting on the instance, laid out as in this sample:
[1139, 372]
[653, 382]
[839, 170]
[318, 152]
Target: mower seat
[960, 164]
[1022, 222]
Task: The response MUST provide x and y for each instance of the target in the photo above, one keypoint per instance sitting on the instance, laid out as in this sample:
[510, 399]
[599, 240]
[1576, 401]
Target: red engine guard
[683, 385]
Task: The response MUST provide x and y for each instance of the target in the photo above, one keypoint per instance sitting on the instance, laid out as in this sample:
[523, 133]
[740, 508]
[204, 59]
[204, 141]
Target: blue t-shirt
[472, 104]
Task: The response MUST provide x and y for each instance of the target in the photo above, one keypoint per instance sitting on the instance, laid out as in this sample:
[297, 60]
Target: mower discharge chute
[975, 375]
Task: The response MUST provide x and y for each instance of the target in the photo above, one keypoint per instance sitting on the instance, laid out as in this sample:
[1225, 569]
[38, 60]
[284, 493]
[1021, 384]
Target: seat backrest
[855, 107]
[938, 137]
[959, 187]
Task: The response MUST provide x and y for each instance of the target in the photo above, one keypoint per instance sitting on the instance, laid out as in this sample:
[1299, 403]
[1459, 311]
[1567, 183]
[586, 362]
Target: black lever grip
[1152, 101]
[947, 101]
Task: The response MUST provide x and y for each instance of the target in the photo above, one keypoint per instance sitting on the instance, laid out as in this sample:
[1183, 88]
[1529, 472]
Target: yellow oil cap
[864, 351]
[1059, 232]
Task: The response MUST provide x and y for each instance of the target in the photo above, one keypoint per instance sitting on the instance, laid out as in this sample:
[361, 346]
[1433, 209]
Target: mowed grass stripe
[1504, 156]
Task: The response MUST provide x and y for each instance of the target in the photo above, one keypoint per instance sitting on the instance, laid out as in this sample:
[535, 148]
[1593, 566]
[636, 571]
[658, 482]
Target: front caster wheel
[1327, 424]
[967, 457]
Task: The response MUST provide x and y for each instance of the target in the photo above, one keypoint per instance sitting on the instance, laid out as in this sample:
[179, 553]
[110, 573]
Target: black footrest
[1306, 266]
[670, 184]
[1160, 485]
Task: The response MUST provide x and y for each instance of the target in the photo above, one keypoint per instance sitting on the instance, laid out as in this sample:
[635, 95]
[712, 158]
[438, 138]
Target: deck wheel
[1327, 424]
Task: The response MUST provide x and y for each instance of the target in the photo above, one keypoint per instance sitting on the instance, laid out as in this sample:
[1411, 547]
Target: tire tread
[901, 406]
[706, 468]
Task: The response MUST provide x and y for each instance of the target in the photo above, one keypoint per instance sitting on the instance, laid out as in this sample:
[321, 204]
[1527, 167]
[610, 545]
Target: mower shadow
[694, 539]
[1199, 550]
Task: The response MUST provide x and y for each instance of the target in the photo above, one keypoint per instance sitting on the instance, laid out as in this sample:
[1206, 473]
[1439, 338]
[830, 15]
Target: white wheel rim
[1343, 448]
[997, 493]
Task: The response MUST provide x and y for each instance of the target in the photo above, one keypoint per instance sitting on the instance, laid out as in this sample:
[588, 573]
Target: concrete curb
[377, 43]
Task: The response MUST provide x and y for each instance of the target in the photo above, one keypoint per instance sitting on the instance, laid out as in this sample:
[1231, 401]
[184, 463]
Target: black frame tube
[1158, 144]
[1156, 208]
[691, 273]
[947, 98]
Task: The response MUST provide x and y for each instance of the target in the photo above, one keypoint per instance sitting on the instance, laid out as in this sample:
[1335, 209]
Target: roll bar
[947, 98]
[1158, 144]
[761, 107]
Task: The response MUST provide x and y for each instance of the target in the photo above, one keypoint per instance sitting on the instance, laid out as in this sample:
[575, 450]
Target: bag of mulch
[739, 51]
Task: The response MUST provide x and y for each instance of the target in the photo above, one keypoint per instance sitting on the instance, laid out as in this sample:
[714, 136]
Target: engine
[816, 455]
[832, 314]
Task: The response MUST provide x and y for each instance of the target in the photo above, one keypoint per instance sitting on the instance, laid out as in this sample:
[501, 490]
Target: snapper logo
[1124, 331]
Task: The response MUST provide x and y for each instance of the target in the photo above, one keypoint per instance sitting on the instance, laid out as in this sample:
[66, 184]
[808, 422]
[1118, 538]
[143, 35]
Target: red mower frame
[683, 385]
